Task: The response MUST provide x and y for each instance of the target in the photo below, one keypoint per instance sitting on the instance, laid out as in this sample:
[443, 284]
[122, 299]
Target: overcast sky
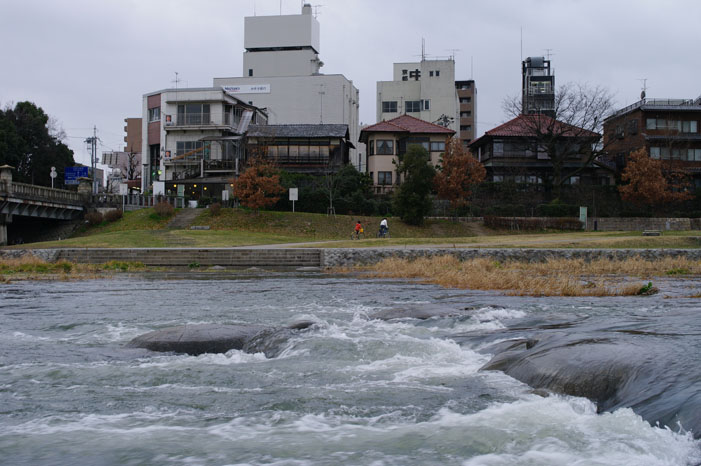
[88, 63]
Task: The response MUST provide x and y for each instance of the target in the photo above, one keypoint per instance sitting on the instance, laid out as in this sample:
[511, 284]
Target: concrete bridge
[26, 205]
[27, 200]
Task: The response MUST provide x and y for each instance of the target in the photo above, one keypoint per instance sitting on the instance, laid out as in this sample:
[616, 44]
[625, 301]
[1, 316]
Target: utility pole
[92, 147]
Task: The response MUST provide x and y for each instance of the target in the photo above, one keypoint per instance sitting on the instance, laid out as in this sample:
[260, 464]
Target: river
[350, 390]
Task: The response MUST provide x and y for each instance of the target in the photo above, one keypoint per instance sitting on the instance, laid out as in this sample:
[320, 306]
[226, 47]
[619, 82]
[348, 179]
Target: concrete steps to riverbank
[202, 257]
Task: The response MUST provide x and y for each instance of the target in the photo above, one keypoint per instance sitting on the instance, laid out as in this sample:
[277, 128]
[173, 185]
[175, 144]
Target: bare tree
[571, 139]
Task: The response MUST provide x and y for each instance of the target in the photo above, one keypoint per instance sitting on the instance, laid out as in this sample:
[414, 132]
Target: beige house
[388, 140]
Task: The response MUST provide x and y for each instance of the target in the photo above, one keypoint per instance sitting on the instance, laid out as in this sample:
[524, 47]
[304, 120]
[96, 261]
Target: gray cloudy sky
[88, 62]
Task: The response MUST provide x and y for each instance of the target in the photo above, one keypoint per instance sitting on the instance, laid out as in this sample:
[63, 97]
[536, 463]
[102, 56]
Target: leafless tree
[571, 139]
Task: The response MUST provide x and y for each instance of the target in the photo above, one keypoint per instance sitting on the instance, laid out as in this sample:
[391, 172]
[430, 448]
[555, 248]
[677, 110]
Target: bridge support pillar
[3, 234]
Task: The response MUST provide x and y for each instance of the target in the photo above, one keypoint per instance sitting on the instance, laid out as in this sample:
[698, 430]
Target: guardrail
[134, 200]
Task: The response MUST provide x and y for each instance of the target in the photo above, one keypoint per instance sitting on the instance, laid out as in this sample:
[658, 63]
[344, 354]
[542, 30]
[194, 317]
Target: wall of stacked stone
[359, 257]
[642, 223]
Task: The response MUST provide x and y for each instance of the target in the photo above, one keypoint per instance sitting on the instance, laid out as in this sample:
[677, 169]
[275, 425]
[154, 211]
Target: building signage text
[248, 89]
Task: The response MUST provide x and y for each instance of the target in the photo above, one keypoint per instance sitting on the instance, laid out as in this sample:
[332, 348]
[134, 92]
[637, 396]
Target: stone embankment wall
[643, 223]
[329, 257]
[351, 257]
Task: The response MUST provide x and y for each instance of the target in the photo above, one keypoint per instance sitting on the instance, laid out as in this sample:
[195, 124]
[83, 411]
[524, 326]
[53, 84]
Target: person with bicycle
[384, 228]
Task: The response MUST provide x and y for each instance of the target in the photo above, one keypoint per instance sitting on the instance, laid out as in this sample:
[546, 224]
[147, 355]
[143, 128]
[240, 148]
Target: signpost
[71, 174]
[53, 175]
[294, 196]
[583, 217]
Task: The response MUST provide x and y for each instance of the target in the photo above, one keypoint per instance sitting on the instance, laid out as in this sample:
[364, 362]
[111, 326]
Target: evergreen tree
[27, 144]
[412, 201]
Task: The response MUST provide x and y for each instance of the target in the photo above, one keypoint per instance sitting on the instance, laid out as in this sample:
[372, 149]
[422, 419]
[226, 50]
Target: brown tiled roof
[406, 124]
[528, 125]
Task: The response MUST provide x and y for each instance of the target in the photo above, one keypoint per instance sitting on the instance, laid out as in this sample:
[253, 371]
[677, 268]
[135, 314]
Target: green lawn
[239, 227]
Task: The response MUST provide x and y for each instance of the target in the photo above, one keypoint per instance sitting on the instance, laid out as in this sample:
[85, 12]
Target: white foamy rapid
[348, 390]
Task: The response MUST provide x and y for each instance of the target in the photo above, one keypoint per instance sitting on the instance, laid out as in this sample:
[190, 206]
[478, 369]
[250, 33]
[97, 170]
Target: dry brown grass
[29, 267]
[559, 277]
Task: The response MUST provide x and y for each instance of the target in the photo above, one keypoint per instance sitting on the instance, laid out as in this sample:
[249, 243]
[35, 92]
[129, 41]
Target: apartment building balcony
[201, 121]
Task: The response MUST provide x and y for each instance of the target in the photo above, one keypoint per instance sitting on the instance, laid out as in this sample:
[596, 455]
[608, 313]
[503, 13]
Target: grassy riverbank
[239, 227]
[561, 277]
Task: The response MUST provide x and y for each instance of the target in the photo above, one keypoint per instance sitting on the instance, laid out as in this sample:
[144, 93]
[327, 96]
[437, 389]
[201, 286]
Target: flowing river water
[348, 390]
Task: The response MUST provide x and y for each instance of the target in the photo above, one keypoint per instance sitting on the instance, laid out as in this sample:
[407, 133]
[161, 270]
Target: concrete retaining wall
[181, 256]
[642, 223]
[350, 257]
[330, 257]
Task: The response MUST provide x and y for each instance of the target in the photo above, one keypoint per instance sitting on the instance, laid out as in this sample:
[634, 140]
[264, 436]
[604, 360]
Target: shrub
[113, 215]
[215, 209]
[94, 218]
[164, 210]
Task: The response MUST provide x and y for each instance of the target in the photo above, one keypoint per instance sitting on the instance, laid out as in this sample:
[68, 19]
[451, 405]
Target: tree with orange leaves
[458, 173]
[259, 185]
[647, 183]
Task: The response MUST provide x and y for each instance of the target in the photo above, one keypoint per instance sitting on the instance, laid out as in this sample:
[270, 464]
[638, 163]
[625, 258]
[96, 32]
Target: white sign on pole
[123, 189]
[159, 188]
[294, 195]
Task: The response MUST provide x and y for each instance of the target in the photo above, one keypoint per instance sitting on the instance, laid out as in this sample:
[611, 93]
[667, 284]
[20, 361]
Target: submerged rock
[214, 338]
[421, 312]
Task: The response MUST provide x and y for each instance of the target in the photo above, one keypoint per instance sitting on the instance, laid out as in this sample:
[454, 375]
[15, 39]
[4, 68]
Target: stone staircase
[202, 256]
[183, 218]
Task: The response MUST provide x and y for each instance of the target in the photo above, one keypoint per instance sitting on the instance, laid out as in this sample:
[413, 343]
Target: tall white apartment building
[425, 90]
[281, 75]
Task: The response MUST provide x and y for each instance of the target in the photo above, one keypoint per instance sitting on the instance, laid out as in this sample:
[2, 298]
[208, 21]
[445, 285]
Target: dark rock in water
[197, 339]
[613, 372]
[421, 312]
[215, 338]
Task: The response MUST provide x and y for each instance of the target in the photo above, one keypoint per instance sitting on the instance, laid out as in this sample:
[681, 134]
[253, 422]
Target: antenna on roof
[644, 90]
[316, 10]
[452, 53]
[423, 49]
[548, 53]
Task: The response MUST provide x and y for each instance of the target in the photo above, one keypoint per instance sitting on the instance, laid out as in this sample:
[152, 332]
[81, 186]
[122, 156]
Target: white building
[193, 133]
[425, 90]
[281, 68]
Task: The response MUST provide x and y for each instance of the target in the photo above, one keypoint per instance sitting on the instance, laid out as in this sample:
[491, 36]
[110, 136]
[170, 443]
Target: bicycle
[383, 233]
[358, 234]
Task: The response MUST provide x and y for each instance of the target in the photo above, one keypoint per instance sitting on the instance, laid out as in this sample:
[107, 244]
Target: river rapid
[350, 390]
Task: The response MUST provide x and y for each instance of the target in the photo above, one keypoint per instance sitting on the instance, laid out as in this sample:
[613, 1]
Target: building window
[427, 104]
[430, 73]
[619, 132]
[654, 152]
[389, 106]
[372, 177]
[466, 114]
[384, 178]
[694, 155]
[465, 100]
[498, 178]
[413, 106]
[154, 114]
[250, 71]
[633, 127]
[651, 123]
[465, 127]
[498, 148]
[689, 127]
[183, 147]
[438, 72]
[193, 114]
[437, 146]
[385, 147]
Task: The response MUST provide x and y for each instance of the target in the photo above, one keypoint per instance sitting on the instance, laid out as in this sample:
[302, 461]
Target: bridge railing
[40, 193]
[134, 200]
